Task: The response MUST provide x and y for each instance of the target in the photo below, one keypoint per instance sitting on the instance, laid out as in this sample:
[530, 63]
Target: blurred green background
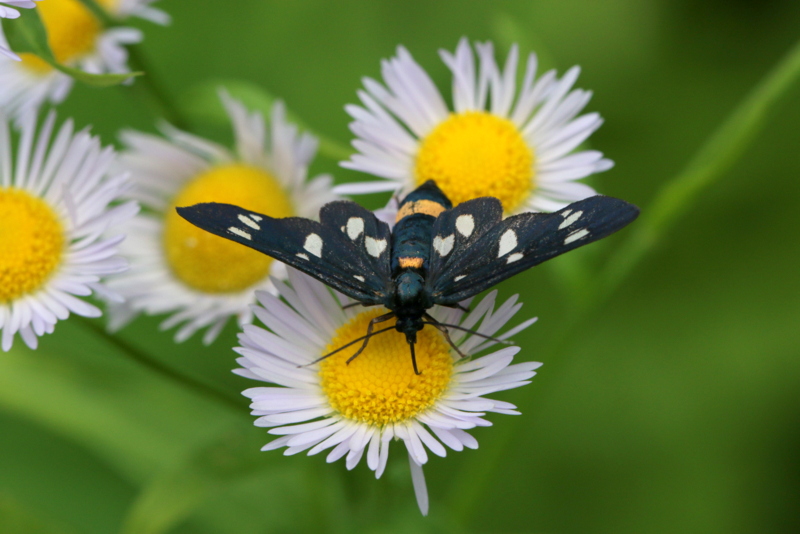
[673, 407]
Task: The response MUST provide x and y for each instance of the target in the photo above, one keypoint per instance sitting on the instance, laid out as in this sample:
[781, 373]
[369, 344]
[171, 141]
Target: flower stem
[144, 359]
[152, 92]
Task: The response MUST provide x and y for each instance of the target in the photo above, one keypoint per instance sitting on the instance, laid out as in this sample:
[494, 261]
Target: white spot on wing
[355, 225]
[302, 256]
[465, 224]
[570, 220]
[313, 244]
[358, 277]
[566, 213]
[514, 257]
[443, 246]
[249, 222]
[256, 217]
[574, 236]
[374, 246]
[459, 277]
[508, 242]
[240, 233]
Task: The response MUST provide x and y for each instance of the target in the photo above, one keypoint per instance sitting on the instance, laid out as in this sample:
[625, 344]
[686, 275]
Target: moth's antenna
[364, 338]
[414, 359]
[434, 322]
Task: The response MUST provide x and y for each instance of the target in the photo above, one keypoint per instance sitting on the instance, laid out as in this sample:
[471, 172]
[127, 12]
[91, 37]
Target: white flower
[11, 13]
[361, 407]
[176, 268]
[78, 40]
[519, 149]
[55, 222]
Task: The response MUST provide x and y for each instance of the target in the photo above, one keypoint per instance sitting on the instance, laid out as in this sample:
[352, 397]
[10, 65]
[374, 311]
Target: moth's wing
[317, 249]
[457, 229]
[362, 230]
[520, 242]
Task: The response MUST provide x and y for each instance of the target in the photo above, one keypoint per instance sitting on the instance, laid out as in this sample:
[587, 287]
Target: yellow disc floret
[72, 31]
[209, 263]
[475, 154]
[31, 243]
[379, 387]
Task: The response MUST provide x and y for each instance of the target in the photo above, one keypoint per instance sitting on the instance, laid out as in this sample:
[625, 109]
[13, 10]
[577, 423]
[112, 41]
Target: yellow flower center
[379, 387]
[31, 243]
[71, 31]
[213, 264]
[475, 154]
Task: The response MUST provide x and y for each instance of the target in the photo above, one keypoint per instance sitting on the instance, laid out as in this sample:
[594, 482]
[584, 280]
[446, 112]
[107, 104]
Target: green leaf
[27, 34]
[202, 103]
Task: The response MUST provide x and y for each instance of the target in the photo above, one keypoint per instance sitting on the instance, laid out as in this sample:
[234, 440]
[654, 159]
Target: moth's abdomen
[411, 238]
[411, 243]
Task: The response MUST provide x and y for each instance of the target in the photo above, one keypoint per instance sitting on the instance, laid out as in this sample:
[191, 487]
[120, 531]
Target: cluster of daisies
[78, 219]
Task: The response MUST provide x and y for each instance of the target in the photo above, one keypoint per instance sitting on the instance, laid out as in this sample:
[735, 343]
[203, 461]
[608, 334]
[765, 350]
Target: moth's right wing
[351, 257]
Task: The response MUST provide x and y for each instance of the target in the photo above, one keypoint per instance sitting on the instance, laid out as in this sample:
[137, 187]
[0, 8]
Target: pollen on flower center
[71, 31]
[475, 154]
[31, 243]
[379, 387]
[209, 263]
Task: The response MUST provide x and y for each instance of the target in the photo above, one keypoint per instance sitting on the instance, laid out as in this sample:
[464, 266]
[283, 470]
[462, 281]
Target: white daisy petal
[78, 267]
[420, 488]
[312, 417]
[395, 123]
[26, 85]
[163, 169]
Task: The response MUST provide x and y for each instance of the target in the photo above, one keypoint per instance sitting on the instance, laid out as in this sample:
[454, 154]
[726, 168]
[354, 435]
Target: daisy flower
[55, 222]
[77, 39]
[177, 268]
[7, 12]
[361, 407]
[516, 144]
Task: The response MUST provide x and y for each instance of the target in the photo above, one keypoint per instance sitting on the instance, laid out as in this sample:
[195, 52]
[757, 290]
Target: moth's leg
[372, 323]
[362, 338]
[433, 322]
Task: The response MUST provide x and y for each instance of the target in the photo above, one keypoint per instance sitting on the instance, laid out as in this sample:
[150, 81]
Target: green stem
[152, 91]
[144, 359]
[715, 157]
[718, 155]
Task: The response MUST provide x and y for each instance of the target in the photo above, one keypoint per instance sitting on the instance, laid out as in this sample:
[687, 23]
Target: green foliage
[668, 401]
[27, 34]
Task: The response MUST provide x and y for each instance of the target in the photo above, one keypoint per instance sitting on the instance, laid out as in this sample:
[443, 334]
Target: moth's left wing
[354, 263]
[518, 243]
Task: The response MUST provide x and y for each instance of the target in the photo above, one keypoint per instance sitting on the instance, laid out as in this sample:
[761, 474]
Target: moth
[435, 255]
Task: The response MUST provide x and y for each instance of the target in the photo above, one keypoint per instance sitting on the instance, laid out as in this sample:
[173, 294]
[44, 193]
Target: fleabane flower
[360, 408]
[59, 234]
[177, 268]
[514, 143]
[78, 39]
[7, 12]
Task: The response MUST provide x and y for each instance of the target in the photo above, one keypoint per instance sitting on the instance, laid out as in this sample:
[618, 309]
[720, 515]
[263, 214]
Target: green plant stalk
[715, 157]
[144, 359]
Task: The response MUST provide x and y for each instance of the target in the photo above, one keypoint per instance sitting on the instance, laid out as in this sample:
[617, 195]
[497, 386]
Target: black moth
[436, 254]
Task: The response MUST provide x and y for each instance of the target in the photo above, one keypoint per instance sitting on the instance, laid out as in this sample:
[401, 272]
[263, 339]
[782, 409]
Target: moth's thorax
[410, 300]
